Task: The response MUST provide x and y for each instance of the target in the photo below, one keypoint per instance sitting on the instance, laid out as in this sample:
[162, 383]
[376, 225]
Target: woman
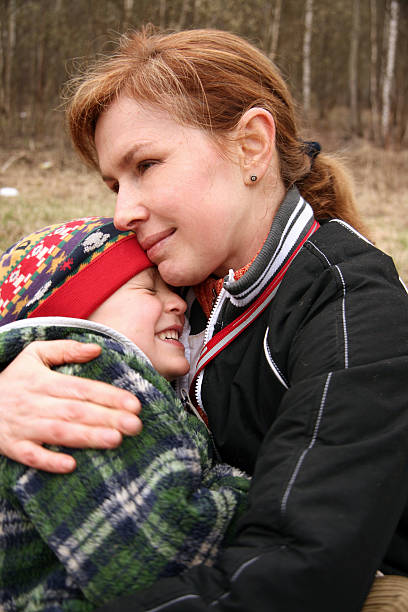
[301, 373]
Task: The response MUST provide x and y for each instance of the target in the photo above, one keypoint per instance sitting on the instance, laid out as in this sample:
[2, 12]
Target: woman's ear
[256, 143]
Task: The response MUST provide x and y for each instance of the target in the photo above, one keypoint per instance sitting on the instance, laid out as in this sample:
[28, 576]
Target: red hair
[208, 79]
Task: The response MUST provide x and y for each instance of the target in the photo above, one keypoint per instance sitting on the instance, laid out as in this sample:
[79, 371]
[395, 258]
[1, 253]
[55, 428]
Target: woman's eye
[145, 165]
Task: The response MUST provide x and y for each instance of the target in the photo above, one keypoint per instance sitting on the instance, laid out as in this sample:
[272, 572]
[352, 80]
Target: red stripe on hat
[81, 294]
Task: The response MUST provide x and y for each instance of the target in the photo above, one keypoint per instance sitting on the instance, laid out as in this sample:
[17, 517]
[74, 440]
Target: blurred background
[346, 62]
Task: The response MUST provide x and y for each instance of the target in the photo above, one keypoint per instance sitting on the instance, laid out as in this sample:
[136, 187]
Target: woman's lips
[152, 244]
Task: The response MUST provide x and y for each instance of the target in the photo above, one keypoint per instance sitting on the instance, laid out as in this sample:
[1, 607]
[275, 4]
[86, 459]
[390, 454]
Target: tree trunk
[373, 72]
[400, 78]
[183, 13]
[2, 64]
[389, 73]
[162, 18]
[272, 27]
[307, 44]
[353, 70]
[40, 83]
[127, 12]
[8, 43]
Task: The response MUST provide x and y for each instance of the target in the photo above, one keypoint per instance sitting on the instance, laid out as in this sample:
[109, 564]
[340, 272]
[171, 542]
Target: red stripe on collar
[224, 337]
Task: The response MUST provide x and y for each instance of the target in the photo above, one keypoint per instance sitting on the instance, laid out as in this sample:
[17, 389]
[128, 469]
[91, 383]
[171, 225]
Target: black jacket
[312, 399]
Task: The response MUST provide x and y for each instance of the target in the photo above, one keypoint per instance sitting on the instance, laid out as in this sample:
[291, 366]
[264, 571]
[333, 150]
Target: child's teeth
[170, 334]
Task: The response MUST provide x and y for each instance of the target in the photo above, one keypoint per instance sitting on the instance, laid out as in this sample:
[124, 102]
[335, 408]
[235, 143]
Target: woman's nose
[129, 210]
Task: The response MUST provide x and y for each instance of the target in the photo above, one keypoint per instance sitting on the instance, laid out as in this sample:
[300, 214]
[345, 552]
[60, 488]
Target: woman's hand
[38, 405]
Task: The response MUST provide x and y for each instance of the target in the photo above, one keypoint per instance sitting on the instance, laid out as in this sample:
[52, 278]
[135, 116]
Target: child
[150, 508]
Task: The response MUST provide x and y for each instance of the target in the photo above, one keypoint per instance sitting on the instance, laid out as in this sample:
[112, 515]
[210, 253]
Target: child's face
[145, 310]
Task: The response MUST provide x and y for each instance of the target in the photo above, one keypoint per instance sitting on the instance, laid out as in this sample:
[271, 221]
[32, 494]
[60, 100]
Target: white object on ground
[8, 192]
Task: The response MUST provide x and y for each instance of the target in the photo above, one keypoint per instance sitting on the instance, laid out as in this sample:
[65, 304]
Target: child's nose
[175, 303]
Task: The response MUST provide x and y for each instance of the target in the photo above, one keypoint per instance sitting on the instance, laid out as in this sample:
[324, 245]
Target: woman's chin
[176, 276]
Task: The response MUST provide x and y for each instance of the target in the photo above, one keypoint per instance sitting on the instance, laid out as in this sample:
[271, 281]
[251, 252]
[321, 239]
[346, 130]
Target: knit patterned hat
[67, 270]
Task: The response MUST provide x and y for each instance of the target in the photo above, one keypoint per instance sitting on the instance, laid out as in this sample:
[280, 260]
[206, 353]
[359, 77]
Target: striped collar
[292, 222]
[208, 291]
[253, 292]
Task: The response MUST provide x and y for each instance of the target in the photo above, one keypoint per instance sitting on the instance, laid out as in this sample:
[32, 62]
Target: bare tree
[182, 17]
[401, 102]
[373, 71]
[307, 46]
[162, 12]
[389, 72]
[2, 63]
[39, 71]
[272, 23]
[8, 44]
[127, 12]
[353, 69]
[40, 39]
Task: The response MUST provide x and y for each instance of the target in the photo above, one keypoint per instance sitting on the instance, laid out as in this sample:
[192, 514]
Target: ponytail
[328, 189]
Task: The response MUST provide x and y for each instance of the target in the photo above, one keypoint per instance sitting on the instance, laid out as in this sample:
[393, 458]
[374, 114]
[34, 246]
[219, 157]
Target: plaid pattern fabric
[151, 508]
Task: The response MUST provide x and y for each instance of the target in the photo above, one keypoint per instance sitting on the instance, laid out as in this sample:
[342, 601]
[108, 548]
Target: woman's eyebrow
[127, 158]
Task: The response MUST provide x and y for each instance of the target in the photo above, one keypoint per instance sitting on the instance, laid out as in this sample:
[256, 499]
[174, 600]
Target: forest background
[346, 62]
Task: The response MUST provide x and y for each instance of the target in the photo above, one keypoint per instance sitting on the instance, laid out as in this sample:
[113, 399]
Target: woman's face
[187, 203]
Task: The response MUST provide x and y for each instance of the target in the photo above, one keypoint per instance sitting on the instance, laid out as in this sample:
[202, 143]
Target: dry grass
[66, 190]
[49, 192]
[381, 181]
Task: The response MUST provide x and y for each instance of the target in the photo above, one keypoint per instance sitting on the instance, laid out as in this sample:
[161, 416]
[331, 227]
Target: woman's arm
[38, 405]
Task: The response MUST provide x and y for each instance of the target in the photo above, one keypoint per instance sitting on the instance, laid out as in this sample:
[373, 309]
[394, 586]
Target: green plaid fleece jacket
[151, 508]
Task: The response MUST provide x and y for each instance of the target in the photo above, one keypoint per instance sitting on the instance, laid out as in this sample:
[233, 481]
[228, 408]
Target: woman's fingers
[72, 423]
[35, 456]
[38, 405]
[58, 352]
[31, 453]
[71, 411]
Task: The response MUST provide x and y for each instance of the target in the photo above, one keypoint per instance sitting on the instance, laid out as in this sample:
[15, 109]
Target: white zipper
[210, 326]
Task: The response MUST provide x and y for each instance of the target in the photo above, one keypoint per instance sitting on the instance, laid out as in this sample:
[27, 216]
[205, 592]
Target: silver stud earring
[253, 178]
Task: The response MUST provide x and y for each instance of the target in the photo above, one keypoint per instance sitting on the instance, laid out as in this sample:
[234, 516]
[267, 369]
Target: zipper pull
[189, 406]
